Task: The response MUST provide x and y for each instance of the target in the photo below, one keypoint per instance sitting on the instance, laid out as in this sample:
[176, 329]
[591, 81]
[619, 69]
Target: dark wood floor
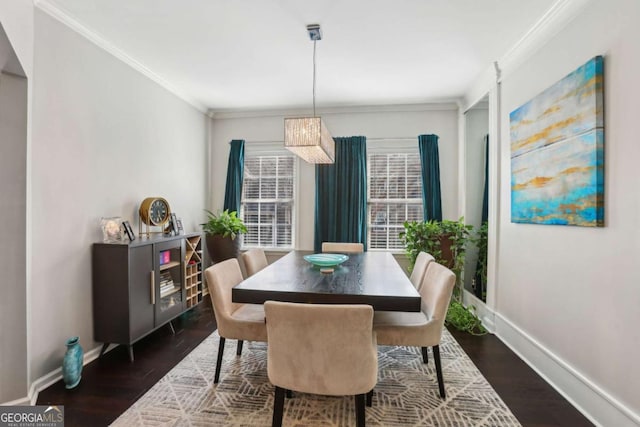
[111, 384]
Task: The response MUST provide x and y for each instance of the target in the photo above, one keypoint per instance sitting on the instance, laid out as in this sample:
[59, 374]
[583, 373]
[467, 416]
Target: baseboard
[486, 315]
[49, 379]
[597, 405]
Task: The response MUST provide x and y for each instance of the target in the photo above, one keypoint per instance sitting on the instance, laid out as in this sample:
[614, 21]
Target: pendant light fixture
[308, 137]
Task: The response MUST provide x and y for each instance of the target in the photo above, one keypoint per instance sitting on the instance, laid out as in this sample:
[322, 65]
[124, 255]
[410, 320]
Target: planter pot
[445, 248]
[72, 363]
[222, 248]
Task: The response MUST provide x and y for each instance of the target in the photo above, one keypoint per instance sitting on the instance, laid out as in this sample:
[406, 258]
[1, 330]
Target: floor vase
[72, 363]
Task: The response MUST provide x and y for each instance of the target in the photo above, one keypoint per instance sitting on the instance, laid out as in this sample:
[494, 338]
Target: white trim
[600, 407]
[23, 401]
[445, 105]
[482, 310]
[556, 18]
[51, 378]
[62, 16]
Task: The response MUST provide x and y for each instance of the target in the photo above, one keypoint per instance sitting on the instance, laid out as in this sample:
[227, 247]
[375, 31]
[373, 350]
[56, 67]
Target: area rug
[406, 393]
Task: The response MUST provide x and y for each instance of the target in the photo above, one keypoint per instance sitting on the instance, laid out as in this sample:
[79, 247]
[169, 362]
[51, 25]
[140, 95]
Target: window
[395, 196]
[267, 207]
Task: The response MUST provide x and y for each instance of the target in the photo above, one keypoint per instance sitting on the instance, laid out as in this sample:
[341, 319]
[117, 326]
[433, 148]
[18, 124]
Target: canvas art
[557, 152]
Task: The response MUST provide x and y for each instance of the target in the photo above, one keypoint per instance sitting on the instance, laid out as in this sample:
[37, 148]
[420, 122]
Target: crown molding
[444, 105]
[62, 16]
[555, 19]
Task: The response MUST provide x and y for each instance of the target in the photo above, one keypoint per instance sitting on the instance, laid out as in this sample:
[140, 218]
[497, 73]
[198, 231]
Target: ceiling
[255, 54]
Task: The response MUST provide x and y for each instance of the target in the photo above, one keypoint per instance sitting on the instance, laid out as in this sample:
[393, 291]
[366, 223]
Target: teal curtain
[235, 173]
[481, 286]
[430, 165]
[485, 196]
[341, 195]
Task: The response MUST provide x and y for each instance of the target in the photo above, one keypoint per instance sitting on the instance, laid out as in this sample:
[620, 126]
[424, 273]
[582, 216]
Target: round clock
[154, 211]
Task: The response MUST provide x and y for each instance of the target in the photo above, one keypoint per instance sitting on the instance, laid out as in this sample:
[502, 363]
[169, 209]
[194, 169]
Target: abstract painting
[557, 152]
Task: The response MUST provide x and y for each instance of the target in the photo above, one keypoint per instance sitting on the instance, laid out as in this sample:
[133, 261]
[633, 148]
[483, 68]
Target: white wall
[104, 137]
[16, 18]
[13, 197]
[568, 297]
[374, 123]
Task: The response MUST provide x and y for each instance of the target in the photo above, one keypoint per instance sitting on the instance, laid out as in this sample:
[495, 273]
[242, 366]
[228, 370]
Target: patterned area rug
[406, 393]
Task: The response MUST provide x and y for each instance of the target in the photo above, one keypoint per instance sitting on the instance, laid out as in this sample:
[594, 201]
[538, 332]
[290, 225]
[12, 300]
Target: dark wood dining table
[373, 278]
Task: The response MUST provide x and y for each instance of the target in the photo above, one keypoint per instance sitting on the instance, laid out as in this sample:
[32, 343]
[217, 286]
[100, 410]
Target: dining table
[373, 278]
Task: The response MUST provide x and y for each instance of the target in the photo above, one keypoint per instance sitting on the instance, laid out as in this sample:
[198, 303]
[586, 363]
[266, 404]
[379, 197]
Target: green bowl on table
[326, 260]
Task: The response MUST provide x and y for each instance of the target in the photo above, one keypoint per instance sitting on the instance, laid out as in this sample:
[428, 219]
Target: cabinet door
[141, 289]
[169, 260]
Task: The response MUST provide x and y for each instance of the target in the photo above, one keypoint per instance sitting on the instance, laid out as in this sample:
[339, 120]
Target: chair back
[435, 291]
[254, 261]
[342, 248]
[321, 348]
[419, 268]
[221, 278]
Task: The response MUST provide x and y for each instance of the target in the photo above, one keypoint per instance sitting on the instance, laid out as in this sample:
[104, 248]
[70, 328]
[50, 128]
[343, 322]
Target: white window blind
[395, 196]
[267, 207]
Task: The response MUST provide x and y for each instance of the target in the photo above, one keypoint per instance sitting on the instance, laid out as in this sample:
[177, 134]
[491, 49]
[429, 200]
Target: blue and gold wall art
[557, 152]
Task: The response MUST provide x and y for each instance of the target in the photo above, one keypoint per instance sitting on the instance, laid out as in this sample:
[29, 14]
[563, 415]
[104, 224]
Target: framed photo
[176, 224]
[111, 229]
[128, 231]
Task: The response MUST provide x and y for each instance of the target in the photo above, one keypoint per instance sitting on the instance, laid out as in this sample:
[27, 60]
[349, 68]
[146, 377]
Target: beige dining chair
[342, 248]
[254, 261]
[419, 268]
[235, 321]
[422, 329]
[321, 349]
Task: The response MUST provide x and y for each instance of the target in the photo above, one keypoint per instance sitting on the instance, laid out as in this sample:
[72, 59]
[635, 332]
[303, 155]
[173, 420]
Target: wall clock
[154, 211]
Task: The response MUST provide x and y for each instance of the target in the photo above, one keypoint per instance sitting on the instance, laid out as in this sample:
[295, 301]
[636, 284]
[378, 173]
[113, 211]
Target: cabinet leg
[130, 348]
[105, 346]
[173, 331]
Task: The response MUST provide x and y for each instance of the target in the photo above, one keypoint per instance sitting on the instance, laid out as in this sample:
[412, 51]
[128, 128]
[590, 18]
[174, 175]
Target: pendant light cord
[314, 78]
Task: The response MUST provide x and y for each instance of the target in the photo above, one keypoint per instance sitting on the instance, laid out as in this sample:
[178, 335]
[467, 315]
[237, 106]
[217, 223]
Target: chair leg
[239, 349]
[219, 362]
[278, 407]
[425, 355]
[360, 398]
[436, 358]
[370, 398]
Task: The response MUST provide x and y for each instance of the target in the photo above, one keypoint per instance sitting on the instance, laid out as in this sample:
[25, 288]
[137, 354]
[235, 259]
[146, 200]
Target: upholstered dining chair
[419, 268]
[342, 248]
[423, 329]
[321, 349]
[235, 321]
[254, 261]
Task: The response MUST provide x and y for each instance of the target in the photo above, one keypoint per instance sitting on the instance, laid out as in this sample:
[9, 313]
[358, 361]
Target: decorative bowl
[326, 260]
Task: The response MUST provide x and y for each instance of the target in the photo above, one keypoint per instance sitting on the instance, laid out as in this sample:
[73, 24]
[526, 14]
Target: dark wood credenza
[142, 285]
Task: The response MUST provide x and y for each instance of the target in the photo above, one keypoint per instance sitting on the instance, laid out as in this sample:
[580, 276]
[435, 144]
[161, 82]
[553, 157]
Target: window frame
[271, 150]
[388, 147]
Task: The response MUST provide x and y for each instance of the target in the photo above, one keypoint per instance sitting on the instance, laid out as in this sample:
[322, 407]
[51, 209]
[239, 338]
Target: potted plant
[446, 241]
[222, 230]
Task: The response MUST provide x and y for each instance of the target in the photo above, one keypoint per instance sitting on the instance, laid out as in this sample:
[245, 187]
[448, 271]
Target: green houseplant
[222, 230]
[446, 241]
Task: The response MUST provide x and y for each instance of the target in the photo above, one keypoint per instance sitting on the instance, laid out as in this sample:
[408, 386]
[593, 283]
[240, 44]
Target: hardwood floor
[111, 384]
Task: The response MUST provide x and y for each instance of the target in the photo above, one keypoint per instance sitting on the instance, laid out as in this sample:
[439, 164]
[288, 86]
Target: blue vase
[72, 363]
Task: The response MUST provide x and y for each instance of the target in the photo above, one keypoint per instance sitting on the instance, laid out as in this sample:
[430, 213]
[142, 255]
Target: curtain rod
[399, 138]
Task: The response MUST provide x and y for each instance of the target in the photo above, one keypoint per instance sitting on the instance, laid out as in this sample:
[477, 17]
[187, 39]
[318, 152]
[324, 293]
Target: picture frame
[180, 227]
[128, 231]
[112, 230]
[174, 224]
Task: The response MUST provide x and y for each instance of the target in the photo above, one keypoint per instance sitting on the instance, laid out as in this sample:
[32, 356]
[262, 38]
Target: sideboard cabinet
[142, 285]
